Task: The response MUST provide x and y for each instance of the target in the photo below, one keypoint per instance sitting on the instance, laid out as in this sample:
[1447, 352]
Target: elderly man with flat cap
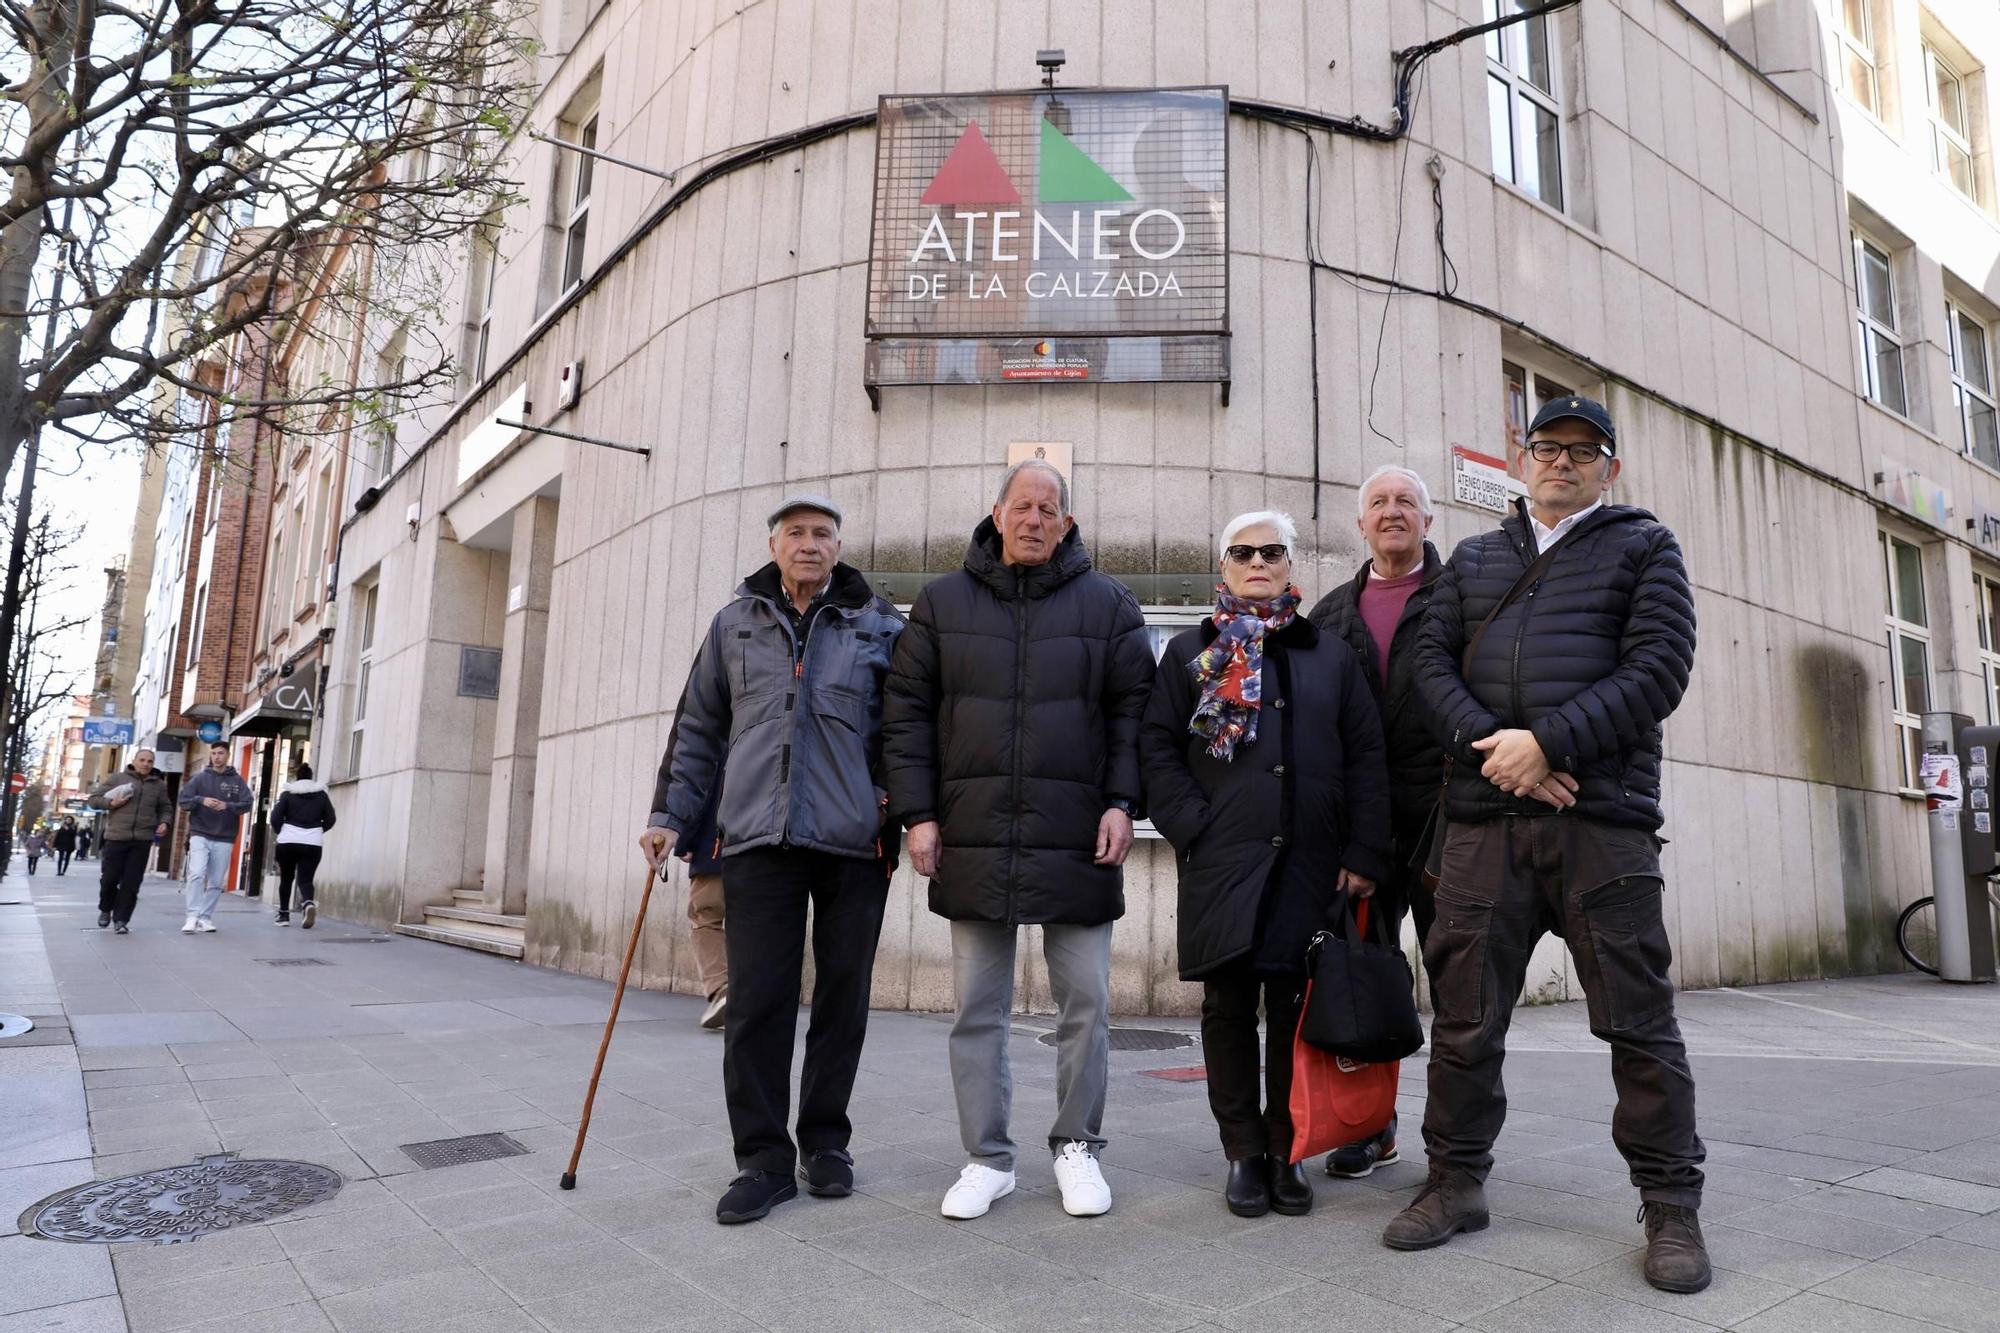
[1553, 651]
[788, 685]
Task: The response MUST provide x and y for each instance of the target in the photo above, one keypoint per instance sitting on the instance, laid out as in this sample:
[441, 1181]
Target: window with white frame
[1525, 390]
[1876, 326]
[364, 668]
[1908, 623]
[576, 222]
[1524, 102]
[485, 277]
[200, 623]
[1858, 78]
[1986, 594]
[1951, 123]
[1972, 393]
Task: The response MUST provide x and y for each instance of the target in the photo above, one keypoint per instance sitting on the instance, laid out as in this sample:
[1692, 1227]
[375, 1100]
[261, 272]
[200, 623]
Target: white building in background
[1784, 285]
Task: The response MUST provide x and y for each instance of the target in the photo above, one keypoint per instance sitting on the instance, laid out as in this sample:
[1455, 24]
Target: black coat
[1263, 837]
[1011, 717]
[64, 840]
[1591, 660]
[1416, 763]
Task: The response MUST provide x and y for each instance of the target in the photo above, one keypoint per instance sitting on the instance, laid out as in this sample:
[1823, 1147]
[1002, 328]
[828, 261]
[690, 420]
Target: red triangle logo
[971, 174]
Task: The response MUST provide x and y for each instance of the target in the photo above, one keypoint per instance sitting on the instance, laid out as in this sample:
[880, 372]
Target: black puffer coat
[1263, 837]
[1591, 660]
[1416, 764]
[1011, 717]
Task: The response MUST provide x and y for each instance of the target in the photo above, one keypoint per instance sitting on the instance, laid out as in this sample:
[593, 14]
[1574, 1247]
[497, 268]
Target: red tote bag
[1336, 1101]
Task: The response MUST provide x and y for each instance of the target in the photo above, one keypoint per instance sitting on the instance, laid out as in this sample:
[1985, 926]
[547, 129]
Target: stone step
[478, 915]
[467, 897]
[466, 939]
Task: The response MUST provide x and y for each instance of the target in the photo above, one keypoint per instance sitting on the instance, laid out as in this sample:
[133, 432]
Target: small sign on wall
[1480, 480]
[1056, 453]
[478, 673]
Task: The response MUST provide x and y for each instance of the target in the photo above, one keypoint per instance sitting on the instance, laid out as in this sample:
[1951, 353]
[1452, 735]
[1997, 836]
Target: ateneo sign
[1051, 234]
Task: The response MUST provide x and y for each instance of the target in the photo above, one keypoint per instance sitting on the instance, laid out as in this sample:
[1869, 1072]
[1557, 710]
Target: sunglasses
[1272, 554]
[1548, 451]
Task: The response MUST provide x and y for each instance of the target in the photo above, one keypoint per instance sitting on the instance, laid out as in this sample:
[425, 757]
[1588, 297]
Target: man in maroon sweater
[1377, 612]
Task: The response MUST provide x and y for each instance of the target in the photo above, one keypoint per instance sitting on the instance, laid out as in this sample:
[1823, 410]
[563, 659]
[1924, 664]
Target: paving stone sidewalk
[1853, 1130]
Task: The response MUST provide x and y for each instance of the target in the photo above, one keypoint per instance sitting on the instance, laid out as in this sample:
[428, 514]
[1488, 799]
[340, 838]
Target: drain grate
[180, 1203]
[353, 939]
[1137, 1039]
[295, 962]
[13, 1025]
[459, 1151]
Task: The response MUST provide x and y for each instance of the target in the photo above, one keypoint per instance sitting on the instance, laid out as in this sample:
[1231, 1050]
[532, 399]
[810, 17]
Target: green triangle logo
[1069, 176]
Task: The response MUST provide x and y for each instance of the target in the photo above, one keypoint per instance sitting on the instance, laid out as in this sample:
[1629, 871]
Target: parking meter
[1959, 764]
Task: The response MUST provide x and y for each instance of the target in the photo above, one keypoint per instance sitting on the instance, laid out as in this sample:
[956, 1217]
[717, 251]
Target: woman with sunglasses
[1263, 761]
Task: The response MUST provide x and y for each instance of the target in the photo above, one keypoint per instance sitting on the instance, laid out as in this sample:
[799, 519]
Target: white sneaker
[188, 926]
[1084, 1192]
[978, 1186]
[205, 927]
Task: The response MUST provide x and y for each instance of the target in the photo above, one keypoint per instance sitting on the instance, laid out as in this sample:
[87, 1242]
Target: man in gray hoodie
[216, 800]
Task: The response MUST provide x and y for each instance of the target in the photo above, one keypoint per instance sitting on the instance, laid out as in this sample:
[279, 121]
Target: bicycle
[1916, 930]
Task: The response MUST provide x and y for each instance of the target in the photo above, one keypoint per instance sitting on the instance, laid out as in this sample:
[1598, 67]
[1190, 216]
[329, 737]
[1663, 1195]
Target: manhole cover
[296, 962]
[13, 1025]
[457, 1152]
[1137, 1039]
[180, 1203]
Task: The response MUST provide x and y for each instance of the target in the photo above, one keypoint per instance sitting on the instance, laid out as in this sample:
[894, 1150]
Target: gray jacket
[803, 736]
[227, 786]
[147, 809]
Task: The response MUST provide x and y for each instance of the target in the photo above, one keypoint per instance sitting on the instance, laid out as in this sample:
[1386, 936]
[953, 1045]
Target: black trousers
[124, 865]
[1599, 887]
[1230, 1053]
[296, 859]
[62, 862]
[767, 890]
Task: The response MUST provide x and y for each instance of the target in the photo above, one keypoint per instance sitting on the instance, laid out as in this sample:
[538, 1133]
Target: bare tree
[209, 155]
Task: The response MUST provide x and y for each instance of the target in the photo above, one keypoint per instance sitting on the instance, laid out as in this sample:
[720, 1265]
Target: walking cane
[568, 1180]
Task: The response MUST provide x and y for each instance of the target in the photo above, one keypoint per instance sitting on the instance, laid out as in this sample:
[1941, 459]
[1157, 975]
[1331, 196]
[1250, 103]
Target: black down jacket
[1011, 717]
[1416, 764]
[1592, 659]
[1263, 837]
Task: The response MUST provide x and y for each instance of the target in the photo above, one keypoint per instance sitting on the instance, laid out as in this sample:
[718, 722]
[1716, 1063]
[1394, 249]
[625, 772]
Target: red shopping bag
[1336, 1101]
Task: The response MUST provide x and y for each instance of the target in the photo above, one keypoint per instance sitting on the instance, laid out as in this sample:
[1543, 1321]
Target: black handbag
[1362, 1003]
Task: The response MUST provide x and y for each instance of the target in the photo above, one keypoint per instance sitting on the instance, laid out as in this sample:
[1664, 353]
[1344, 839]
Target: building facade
[1783, 284]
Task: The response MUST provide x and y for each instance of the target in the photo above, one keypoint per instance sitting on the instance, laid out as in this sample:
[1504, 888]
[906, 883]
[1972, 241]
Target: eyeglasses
[1272, 554]
[1548, 451]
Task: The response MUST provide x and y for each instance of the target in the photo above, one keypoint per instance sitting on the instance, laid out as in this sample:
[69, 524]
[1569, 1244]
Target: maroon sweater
[1381, 606]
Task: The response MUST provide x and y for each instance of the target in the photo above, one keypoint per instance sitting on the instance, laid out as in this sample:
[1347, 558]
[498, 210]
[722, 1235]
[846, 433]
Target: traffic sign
[18, 783]
[210, 732]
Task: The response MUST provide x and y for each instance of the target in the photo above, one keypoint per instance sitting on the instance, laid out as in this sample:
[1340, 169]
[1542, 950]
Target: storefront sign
[1480, 480]
[1050, 235]
[1914, 493]
[107, 731]
[1984, 526]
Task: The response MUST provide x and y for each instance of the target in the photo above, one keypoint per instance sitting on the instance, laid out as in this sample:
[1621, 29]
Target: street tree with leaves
[206, 155]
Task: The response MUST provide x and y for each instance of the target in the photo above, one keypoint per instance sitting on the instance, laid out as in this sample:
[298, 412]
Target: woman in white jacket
[301, 818]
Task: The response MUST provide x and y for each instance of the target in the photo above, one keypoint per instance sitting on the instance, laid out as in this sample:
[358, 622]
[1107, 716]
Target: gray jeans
[1079, 961]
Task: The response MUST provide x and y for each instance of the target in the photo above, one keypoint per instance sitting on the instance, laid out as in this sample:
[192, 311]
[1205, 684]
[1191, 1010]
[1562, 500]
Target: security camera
[1050, 61]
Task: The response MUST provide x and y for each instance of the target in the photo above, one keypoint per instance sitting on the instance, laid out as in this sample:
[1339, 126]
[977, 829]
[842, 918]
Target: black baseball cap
[1581, 409]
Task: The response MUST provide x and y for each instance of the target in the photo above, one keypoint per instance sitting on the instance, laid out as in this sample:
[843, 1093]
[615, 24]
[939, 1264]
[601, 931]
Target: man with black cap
[1554, 649]
[788, 685]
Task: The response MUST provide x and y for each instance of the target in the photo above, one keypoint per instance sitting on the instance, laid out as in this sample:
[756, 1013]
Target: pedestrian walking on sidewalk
[36, 845]
[301, 819]
[1379, 612]
[1012, 734]
[216, 800]
[83, 841]
[1554, 649]
[138, 808]
[64, 843]
[702, 852]
[1262, 755]
[788, 685]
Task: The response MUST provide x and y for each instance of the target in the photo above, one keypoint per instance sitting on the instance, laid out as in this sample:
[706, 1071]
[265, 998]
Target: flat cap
[1576, 407]
[806, 500]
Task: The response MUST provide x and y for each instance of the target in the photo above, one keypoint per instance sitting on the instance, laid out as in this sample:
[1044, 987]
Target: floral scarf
[1231, 669]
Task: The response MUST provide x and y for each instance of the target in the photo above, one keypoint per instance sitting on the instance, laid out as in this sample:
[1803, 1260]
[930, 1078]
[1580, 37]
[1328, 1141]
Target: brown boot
[1676, 1255]
[1450, 1202]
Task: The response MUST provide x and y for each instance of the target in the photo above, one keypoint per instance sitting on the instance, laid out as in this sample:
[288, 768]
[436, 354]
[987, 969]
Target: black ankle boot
[1291, 1192]
[1249, 1190]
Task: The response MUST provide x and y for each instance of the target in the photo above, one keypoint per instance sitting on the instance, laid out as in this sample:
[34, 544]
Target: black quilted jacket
[1011, 717]
[1592, 659]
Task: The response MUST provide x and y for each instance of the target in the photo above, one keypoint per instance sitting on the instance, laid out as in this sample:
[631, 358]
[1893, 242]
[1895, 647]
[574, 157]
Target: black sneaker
[284, 918]
[103, 920]
[1359, 1159]
[753, 1194]
[121, 929]
[829, 1173]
